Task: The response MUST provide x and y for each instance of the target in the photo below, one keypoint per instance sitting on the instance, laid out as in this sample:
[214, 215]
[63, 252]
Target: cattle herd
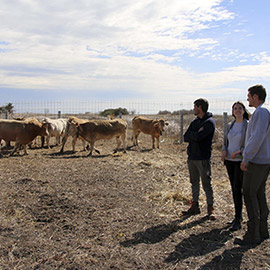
[24, 131]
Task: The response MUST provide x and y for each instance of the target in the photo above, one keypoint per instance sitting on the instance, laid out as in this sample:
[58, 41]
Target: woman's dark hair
[246, 113]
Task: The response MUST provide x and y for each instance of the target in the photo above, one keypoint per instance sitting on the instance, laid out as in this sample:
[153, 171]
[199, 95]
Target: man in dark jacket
[199, 135]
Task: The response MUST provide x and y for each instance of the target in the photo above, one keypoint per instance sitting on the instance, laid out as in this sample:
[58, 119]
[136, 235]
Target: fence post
[6, 114]
[181, 127]
[59, 116]
[225, 121]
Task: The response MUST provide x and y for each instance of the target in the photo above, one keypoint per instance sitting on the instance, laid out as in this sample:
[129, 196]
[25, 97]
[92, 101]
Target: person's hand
[243, 166]
[201, 129]
[236, 153]
[223, 155]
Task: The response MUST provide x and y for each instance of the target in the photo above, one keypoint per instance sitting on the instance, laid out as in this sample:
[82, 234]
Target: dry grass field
[116, 211]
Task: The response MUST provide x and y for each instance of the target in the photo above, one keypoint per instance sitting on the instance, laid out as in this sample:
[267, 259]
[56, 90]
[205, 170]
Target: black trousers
[254, 185]
[236, 178]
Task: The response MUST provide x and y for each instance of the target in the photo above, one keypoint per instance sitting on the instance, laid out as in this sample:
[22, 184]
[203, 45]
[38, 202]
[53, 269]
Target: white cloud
[112, 44]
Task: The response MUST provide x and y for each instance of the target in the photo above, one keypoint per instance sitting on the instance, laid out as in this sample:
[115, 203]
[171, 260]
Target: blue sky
[123, 49]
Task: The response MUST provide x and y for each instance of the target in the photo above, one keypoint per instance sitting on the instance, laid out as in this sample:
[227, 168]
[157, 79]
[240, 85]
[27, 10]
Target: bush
[115, 112]
[164, 112]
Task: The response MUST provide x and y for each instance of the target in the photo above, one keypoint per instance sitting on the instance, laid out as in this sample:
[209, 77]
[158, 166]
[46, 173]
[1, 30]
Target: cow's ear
[166, 123]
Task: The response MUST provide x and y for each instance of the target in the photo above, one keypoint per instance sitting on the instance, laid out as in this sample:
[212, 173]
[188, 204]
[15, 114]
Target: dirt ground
[120, 211]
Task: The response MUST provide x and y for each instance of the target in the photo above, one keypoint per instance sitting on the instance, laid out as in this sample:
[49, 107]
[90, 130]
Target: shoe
[265, 237]
[210, 211]
[193, 210]
[264, 233]
[236, 225]
[247, 242]
[230, 223]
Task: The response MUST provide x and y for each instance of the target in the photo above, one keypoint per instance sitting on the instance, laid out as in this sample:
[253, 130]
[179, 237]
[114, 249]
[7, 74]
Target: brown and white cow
[56, 128]
[22, 132]
[95, 130]
[71, 130]
[153, 127]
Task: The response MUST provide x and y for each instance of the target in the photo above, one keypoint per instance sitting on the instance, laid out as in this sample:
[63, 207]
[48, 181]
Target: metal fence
[175, 113]
[133, 106]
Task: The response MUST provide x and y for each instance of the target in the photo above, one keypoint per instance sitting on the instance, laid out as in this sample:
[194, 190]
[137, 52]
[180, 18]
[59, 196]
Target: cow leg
[25, 152]
[74, 143]
[135, 139]
[83, 143]
[118, 143]
[123, 137]
[153, 142]
[42, 141]
[64, 140]
[48, 141]
[16, 147]
[57, 140]
[1, 147]
[157, 138]
[91, 149]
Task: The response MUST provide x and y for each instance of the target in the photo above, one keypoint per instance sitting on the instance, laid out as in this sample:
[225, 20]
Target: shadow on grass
[199, 245]
[229, 259]
[159, 233]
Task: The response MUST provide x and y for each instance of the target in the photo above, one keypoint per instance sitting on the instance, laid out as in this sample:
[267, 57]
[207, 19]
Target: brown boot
[193, 210]
[210, 212]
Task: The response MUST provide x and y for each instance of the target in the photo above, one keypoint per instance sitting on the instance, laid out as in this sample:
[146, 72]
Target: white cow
[56, 128]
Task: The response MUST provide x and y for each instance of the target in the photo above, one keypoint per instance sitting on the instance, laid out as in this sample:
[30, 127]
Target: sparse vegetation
[114, 112]
[119, 212]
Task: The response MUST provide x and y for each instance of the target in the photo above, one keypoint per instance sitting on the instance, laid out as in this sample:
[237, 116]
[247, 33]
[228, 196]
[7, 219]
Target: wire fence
[217, 107]
[178, 114]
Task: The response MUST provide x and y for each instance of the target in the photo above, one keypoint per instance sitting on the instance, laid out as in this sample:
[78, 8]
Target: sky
[137, 50]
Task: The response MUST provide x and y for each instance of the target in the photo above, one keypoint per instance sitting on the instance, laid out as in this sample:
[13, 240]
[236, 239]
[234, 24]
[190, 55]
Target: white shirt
[234, 138]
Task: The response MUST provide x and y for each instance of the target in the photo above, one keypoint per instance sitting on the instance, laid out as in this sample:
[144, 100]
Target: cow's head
[44, 129]
[72, 127]
[160, 124]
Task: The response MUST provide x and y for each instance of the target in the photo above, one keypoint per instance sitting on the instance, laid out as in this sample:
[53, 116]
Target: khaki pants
[200, 169]
[255, 200]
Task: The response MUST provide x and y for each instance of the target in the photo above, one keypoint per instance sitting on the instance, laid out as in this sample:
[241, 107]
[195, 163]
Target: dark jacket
[200, 142]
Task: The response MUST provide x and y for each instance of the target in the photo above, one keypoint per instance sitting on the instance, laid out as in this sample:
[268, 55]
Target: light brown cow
[22, 132]
[71, 130]
[153, 127]
[95, 130]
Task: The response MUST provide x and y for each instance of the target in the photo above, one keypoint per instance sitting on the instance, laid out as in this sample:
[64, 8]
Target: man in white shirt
[256, 167]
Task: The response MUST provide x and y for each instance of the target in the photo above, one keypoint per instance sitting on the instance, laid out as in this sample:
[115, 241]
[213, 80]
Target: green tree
[8, 108]
[114, 112]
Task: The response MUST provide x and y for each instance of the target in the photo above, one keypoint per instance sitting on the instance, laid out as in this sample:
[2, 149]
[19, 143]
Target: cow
[27, 119]
[153, 127]
[71, 130]
[22, 132]
[95, 130]
[56, 128]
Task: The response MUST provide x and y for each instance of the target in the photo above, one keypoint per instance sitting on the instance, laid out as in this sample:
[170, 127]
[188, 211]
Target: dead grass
[118, 211]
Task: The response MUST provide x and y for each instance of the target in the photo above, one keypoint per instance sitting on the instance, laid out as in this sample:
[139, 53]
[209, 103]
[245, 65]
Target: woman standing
[234, 141]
